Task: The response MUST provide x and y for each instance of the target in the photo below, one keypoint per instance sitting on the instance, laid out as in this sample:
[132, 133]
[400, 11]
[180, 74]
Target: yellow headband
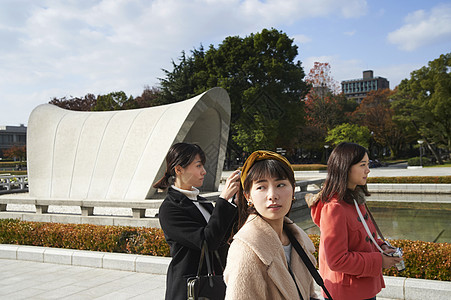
[261, 155]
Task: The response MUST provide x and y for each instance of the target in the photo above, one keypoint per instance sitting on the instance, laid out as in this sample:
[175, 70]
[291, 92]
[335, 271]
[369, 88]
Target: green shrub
[309, 167]
[411, 179]
[122, 239]
[424, 260]
[415, 161]
[13, 164]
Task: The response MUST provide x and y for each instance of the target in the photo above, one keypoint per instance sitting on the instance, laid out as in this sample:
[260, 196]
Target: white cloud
[300, 39]
[423, 28]
[396, 73]
[350, 33]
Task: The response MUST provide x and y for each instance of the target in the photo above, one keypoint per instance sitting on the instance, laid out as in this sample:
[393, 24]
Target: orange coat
[349, 262]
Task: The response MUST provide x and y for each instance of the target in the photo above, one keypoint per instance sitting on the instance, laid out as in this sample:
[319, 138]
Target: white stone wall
[120, 154]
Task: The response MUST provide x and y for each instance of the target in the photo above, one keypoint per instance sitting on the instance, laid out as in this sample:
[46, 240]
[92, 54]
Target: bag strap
[295, 283]
[204, 253]
[308, 263]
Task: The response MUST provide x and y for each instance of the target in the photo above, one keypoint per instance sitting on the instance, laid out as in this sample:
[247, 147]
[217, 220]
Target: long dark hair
[180, 154]
[260, 169]
[342, 158]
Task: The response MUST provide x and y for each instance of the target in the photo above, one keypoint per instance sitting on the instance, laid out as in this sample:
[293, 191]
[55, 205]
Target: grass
[446, 164]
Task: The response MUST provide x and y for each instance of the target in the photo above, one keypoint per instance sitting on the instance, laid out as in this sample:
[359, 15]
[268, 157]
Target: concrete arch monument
[118, 155]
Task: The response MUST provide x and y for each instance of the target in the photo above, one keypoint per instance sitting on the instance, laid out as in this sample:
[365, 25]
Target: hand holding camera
[393, 256]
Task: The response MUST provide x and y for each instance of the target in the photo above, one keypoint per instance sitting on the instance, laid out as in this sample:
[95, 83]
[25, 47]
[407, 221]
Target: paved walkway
[20, 279]
[35, 280]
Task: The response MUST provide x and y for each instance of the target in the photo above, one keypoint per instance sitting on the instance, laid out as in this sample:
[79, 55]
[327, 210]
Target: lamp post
[421, 152]
[326, 147]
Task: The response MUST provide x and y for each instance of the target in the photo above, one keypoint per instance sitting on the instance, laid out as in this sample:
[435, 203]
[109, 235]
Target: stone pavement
[20, 279]
[28, 272]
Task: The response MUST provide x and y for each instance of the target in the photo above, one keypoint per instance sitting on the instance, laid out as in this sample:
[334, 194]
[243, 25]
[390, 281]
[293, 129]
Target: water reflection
[400, 220]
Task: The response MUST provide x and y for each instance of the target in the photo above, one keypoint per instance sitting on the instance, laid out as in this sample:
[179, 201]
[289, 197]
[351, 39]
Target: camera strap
[375, 224]
[366, 227]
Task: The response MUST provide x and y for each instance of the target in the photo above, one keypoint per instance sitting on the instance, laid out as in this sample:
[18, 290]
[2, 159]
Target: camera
[398, 253]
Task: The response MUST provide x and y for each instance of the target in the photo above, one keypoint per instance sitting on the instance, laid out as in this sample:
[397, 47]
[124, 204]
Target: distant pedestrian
[187, 220]
[349, 262]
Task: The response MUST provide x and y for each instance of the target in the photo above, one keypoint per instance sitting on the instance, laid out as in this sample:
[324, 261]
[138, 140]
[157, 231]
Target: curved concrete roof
[120, 154]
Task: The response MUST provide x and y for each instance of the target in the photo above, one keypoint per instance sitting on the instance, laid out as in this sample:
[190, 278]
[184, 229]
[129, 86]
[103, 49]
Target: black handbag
[209, 286]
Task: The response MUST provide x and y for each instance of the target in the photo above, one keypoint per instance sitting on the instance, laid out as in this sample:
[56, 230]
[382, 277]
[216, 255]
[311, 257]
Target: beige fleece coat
[257, 268]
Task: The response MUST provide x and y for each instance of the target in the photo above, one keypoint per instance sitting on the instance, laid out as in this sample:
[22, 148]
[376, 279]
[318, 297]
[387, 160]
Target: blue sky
[72, 48]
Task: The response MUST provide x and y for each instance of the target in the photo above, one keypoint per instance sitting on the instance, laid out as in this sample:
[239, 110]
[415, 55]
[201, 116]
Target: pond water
[429, 222]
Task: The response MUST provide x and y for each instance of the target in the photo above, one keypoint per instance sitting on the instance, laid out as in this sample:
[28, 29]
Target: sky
[70, 48]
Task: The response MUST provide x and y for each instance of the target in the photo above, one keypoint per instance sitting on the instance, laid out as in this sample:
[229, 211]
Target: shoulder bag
[209, 286]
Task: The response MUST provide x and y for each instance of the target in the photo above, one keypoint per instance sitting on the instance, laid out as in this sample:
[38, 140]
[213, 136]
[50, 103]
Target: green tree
[352, 133]
[149, 97]
[263, 81]
[423, 103]
[112, 101]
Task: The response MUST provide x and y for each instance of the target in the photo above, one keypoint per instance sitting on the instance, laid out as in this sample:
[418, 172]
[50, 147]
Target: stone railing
[86, 206]
[13, 184]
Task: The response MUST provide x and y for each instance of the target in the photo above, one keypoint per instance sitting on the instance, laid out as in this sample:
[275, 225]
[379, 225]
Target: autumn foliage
[18, 152]
[121, 239]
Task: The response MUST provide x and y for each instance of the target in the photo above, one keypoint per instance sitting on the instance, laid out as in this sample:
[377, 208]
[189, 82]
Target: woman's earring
[249, 203]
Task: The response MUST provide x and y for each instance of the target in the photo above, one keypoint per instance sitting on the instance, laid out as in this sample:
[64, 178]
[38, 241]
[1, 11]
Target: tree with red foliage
[74, 103]
[321, 80]
[325, 108]
[16, 152]
[149, 97]
[375, 112]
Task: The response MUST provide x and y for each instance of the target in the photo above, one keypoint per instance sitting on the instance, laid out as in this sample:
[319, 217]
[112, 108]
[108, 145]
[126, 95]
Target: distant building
[358, 88]
[12, 136]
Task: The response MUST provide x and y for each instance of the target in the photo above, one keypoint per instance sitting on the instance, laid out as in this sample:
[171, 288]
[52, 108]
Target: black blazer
[185, 229]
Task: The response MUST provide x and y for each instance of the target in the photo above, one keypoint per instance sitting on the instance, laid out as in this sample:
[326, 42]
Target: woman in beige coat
[261, 263]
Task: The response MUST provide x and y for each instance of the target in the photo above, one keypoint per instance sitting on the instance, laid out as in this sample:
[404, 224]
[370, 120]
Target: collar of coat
[312, 199]
[258, 235]
[269, 248]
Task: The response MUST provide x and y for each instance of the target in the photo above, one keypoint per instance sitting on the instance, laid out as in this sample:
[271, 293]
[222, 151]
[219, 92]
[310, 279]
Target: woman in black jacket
[187, 221]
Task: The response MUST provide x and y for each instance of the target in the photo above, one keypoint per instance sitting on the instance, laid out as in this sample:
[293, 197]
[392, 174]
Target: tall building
[358, 88]
[12, 136]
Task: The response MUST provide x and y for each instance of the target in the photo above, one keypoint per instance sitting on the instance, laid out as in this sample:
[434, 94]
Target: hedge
[422, 259]
[12, 164]
[410, 179]
[309, 167]
[121, 239]
[416, 161]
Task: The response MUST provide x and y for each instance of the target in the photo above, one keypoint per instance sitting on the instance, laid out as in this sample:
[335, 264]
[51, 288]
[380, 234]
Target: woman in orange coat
[349, 262]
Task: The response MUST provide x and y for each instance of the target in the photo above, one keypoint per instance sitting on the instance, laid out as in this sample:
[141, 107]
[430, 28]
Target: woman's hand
[387, 249]
[231, 186]
[390, 261]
